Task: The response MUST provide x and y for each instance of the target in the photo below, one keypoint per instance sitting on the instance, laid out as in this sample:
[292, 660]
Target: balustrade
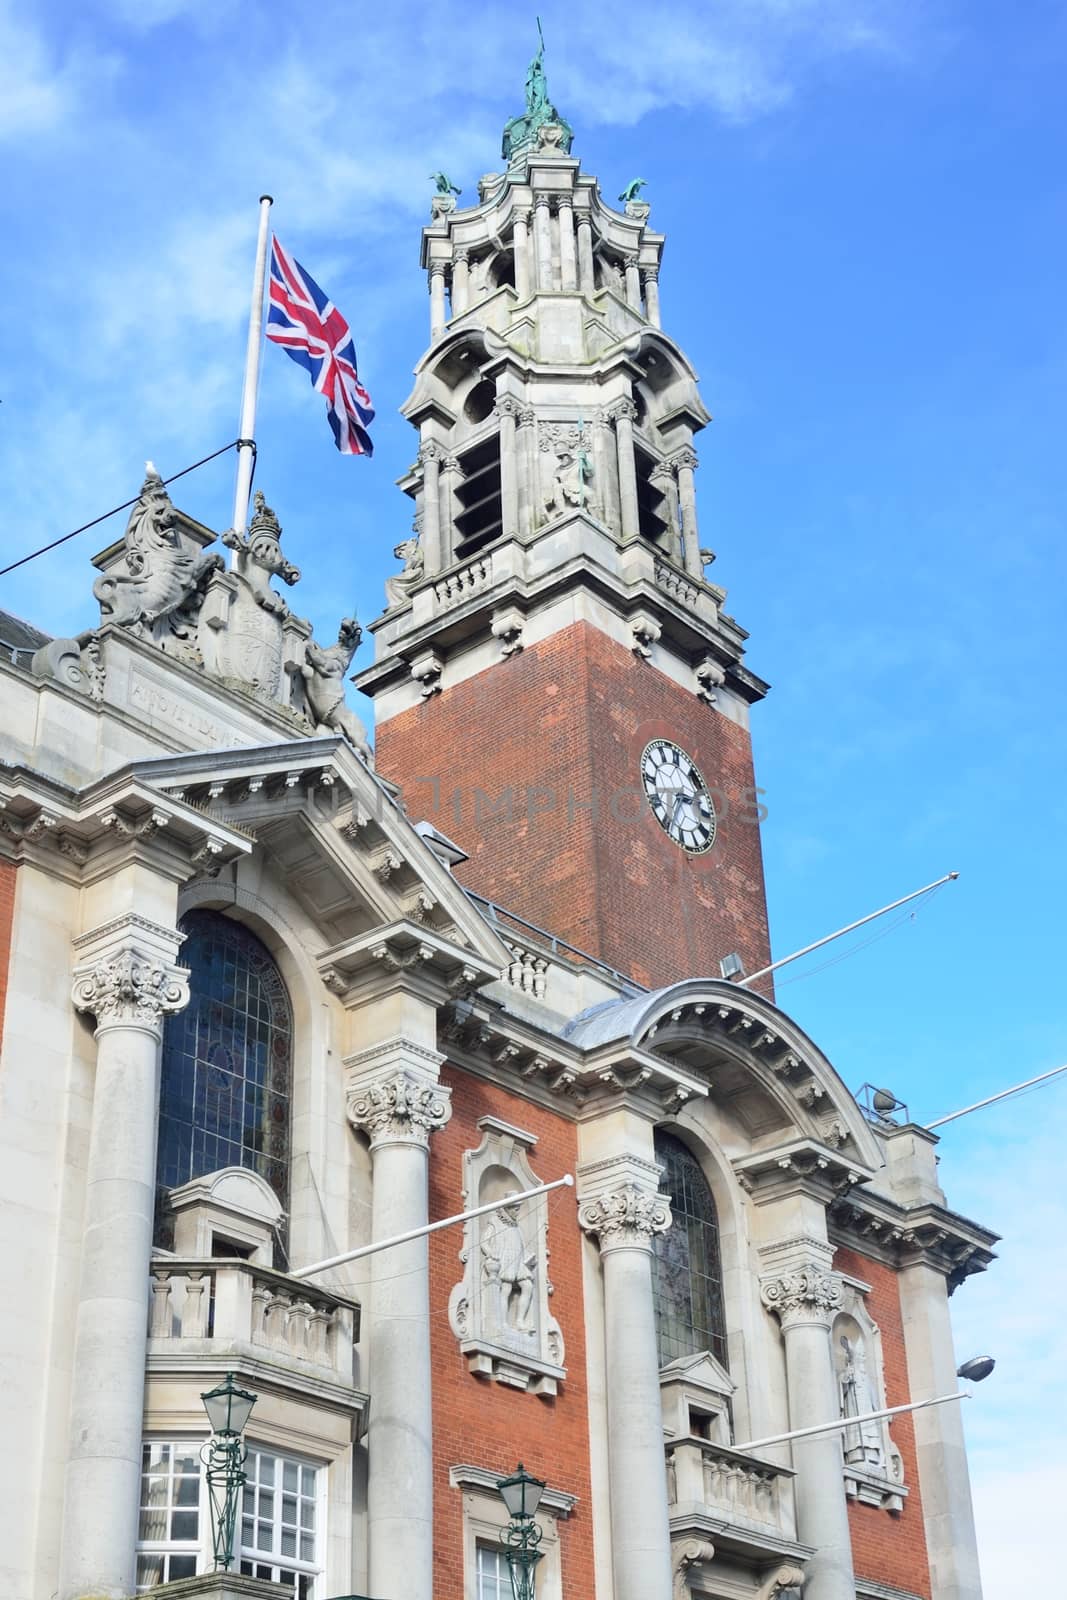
[740, 1489]
[234, 1304]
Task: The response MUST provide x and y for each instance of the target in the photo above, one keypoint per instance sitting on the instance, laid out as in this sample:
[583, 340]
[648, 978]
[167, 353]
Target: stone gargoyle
[323, 672]
[260, 558]
[166, 571]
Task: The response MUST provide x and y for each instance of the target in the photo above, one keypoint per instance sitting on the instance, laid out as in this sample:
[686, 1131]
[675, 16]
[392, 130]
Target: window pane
[226, 1067]
[687, 1268]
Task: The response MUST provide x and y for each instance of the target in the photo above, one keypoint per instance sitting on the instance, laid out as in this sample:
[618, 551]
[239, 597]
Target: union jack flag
[309, 327]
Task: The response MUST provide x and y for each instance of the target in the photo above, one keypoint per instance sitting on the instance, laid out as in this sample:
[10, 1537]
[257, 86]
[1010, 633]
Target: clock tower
[558, 685]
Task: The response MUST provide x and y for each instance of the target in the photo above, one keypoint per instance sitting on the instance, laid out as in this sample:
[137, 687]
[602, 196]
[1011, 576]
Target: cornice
[902, 1236]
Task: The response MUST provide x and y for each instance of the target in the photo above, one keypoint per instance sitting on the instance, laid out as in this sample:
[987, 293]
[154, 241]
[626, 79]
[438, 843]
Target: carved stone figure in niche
[323, 672]
[259, 557]
[499, 1311]
[399, 587]
[863, 1441]
[162, 589]
[508, 1267]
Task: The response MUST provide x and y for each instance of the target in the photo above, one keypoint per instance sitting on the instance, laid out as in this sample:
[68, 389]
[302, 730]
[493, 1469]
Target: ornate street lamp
[228, 1410]
[522, 1496]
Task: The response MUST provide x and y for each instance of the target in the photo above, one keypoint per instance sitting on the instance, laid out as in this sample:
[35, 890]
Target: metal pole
[808, 948]
[842, 1423]
[432, 1227]
[246, 447]
[1042, 1077]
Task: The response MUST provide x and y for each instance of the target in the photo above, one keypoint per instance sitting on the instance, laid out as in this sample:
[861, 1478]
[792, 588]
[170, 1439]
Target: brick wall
[8, 876]
[485, 1423]
[536, 774]
[890, 1549]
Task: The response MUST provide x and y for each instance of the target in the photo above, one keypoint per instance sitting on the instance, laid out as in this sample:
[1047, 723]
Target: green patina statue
[633, 189]
[521, 132]
[444, 184]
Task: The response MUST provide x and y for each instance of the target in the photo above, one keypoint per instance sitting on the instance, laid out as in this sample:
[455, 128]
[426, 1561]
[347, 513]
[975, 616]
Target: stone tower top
[556, 423]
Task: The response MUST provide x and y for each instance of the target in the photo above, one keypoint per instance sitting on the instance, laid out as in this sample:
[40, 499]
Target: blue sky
[866, 211]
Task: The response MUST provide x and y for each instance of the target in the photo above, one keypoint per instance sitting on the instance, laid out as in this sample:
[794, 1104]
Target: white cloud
[40, 84]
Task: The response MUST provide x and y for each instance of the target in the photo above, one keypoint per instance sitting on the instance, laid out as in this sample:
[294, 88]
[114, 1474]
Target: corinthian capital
[130, 987]
[626, 1216]
[807, 1295]
[507, 406]
[686, 457]
[399, 1108]
[622, 408]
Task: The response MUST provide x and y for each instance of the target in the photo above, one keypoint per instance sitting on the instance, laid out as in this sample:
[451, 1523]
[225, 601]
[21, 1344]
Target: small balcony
[744, 1504]
[237, 1312]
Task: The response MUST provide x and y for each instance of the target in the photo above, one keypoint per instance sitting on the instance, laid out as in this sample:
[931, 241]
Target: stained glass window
[686, 1265]
[227, 1063]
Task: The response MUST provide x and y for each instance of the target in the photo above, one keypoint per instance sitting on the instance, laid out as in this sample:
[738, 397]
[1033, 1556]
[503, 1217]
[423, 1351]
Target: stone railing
[234, 1306]
[676, 583]
[528, 971]
[740, 1489]
[462, 581]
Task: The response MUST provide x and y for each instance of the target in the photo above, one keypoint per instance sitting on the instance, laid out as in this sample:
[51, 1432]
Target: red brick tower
[557, 685]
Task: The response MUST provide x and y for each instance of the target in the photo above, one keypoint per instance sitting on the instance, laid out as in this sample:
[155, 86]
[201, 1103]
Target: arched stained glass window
[686, 1265]
[227, 1062]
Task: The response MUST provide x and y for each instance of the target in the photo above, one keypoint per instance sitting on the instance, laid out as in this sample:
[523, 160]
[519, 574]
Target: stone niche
[874, 1468]
[499, 1311]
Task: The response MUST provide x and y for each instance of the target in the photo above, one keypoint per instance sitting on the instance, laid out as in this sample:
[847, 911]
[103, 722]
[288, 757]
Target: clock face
[678, 796]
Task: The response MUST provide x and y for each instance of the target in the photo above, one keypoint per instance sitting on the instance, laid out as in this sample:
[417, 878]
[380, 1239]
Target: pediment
[349, 855]
[700, 1371]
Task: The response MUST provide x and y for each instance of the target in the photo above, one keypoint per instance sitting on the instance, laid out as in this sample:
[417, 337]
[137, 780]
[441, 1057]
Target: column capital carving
[437, 268]
[521, 213]
[400, 1109]
[649, 274]
[461, 255]
[808, 1295]
[132, 986]
[686, 457]
[563, 199]
[629, 261]
[429, 451]
[506, 405]
[622, 409]
[449, 464]
[527, 417]
[625, 1217]
[542, 201]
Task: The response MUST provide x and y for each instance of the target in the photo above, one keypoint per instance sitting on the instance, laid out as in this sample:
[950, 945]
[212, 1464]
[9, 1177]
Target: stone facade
[437, 1006]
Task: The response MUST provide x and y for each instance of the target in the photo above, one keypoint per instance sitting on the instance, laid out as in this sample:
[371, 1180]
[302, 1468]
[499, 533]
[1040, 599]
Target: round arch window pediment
[226, 1070]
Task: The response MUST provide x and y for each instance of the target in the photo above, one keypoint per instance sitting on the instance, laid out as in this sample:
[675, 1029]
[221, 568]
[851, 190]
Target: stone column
[448, 467]
[684, 464]
[633, 282]
[568, 266]
[543, 241]
[527, 447]
[460, 280]
[624, 1220]
[430, 458]
[650, 281]
[128, 985]
[623, 413]
[398, 1103]
[437, 299]
[804, 1301]
[940, 1447]
[507, 410]
[521, 247]
[586, 273]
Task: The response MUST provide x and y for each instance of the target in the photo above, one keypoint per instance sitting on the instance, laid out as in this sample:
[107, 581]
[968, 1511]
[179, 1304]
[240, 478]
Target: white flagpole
[246, 450]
